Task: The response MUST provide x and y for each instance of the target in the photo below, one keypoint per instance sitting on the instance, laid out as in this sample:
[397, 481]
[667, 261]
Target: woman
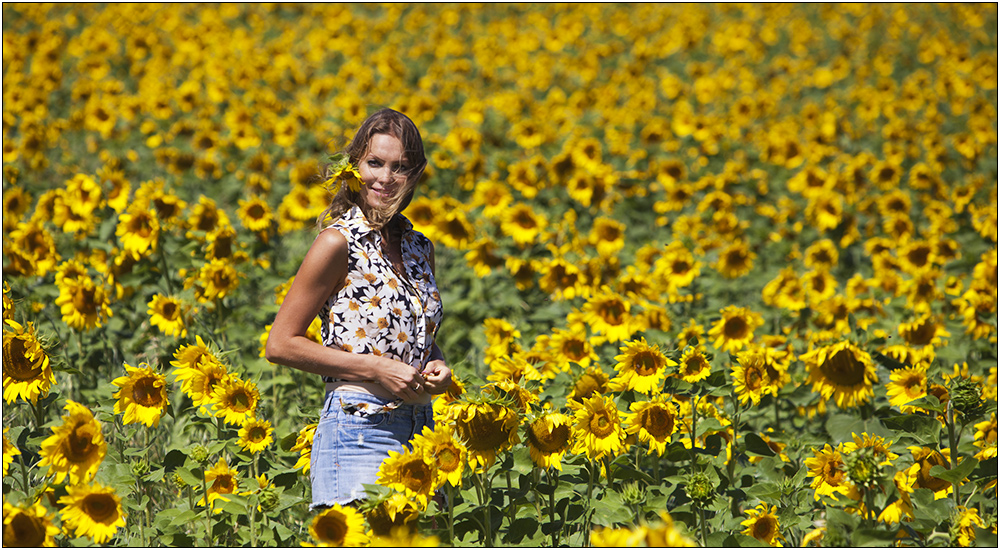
[370, 278]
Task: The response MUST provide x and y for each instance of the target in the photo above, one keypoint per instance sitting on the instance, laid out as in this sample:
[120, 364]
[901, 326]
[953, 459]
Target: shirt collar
[355, 219]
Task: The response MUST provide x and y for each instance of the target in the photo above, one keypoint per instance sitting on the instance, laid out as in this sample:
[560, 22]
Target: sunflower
[821, 255]
[549, 439]
[523, 224]
[827, 470]
[924, 331]
[220, 481]
[664, 534]
[303, 444]
[597, 430]
[142, 397]
[138, 230]
[607, 236]
[562, 279]
[512, 392]
[607, 314]
[255, 214]
[964, 523]
[200, 381]
[235, 400]
[27, 373]
[735, 329]
[28, 527]
[905, 385]
[677, 268]
[571, 346]
[640, 368]
[9, 452]
[879, 446]
[762, 524]
[485, 428]
[785, 291]
[255, 435]
[843, 372]
[393, 511]
[735, 260]
[918, 475]
[409, 473]
[83, 304]
[338, 526]
[653, 421]
[592, 382]
[693, 365]
[92, 511]
[76, 447]
[215, 280]
[205, 217]
[985, 438]
[167, 313]
[440, 448]
[750, 377]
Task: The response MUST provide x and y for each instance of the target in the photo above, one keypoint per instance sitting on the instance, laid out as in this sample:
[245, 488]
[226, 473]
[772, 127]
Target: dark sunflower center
[601, 424]
[735, 328]
[27, 531]
[240, 401]
[332, 529]
[146, 393]
[257, 434]
[525, 220]
[16, 364]
[100, 508]
[763, 528]
[485, 431]
[612, 311]
[415, 475]
[753, 379]
[694, 364]
[646, 363]
[169, 311]
[657, 421]
[80, 443]
[84, 300]
[546, 441]
[843, 369]
[224, 484]
[448, 459]
[922, 334]
[924, 478]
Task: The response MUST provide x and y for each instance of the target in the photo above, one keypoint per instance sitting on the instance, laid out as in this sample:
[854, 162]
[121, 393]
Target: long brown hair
[399, 126]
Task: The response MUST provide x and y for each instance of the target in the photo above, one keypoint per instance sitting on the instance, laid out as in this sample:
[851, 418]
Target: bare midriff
[376, 389]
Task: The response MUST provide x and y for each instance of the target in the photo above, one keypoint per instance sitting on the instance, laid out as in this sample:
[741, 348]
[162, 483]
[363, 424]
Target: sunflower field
[713, 275]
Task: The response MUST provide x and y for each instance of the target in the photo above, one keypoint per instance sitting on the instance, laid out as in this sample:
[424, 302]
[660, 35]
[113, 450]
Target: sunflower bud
[966, 398]
[199, 454]
[268, 499]
[178, 480]
[140, 468]
[633, 493]
[700, 488]
[863, 468]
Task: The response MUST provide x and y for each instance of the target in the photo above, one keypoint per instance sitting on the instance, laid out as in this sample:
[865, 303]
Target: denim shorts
[356, 431]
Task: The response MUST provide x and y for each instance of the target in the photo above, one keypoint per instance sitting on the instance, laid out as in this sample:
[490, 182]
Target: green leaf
[742, 541]
[757, 446]
[191, 476]
[956, 476]
[928, 402]
[873, 537]
[766, 491]
[925, 430]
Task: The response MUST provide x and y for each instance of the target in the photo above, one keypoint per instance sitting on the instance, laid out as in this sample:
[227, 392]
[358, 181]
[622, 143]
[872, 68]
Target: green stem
[552, 510]
[510, 499]
[451, 512]
[953, 444]
[166, 270]
[208, 512]
[704, 526]
[485, 497]
[24, 475]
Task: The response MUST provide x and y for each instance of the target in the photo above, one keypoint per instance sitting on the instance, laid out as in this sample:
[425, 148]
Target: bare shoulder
[326, 260]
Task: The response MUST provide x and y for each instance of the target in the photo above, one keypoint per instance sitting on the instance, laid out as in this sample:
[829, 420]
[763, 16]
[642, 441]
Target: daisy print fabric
[379, 311]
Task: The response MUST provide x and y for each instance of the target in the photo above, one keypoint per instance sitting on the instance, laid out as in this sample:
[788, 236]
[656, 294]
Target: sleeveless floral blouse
[380, 311]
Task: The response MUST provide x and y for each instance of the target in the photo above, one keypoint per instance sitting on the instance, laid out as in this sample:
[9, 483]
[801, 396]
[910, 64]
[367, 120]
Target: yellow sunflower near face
[640, 368]
[168, 314]
[255, 435]
[27, 373]
[142, 397]
[762, 524]
[92, 511]
[409, 473]
[84, 305]
[235, 400]
[597, 428]
[439, 447]
[28, 527]
[76, 447]
[735, 329]
[654, 422]
[138, 230]
[549, 439]
[841, 372]
[337, 526]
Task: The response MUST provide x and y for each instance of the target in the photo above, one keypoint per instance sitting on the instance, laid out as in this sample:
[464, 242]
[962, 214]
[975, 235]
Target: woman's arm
[322, 272]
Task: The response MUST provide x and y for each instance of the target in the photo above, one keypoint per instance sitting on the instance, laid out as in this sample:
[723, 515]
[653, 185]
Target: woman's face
[382, 169]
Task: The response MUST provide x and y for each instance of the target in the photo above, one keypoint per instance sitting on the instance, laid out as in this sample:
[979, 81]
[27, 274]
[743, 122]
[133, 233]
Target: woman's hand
[401, 379]
[438, 377]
